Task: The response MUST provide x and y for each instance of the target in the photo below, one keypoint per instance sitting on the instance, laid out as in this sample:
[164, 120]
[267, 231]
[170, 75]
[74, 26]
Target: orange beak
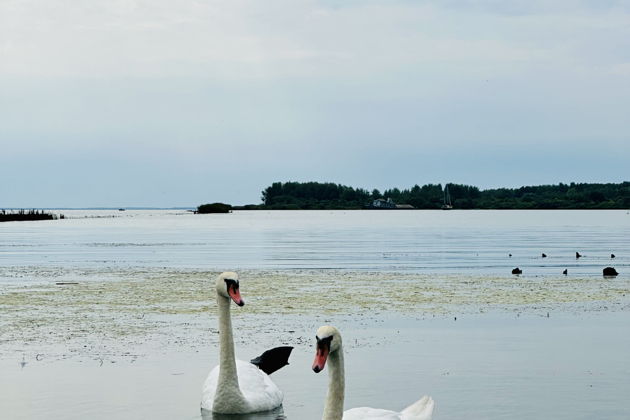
[320, 358]
[235, 294]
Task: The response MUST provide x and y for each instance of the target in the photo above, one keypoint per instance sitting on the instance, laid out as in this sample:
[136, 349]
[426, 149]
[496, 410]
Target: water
[136, 336]
[476, 368]
[468, 242]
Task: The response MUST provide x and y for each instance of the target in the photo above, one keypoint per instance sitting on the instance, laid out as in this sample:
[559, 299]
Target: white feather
[256, 386]
[420, 410]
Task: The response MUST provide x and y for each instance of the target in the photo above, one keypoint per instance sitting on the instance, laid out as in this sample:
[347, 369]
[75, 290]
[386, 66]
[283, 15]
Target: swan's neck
[336, 387]
[228, 391]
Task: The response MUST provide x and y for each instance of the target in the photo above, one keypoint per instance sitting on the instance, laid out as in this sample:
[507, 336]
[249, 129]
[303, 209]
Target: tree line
[317, 195]
[26, 215]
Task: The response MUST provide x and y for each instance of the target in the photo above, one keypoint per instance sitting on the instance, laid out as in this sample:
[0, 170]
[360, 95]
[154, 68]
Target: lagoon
[454, 242]
[424, 299]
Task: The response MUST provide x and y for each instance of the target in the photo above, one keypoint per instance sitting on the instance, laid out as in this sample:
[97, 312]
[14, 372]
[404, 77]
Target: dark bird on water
[544, 255]
[610, 271]
[577, 255]
[565, 272]
[517, 271]
[509, 255]
[612, 255]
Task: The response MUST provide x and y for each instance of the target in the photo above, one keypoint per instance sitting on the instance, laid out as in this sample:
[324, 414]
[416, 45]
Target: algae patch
[115, 313]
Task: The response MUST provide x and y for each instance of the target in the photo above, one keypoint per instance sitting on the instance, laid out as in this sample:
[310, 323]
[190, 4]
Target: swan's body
[420, 410]
[329, 348]
[258, 391]
[235, 386]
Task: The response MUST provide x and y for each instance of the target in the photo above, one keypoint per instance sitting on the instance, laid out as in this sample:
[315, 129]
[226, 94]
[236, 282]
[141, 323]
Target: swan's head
[328, 341]
[228, 287]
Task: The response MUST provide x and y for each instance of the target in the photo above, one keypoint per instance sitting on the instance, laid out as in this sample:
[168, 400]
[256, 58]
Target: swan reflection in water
[275, 414]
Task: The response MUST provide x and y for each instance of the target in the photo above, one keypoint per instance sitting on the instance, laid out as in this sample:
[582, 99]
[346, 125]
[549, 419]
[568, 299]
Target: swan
[329, 348]
[235, 386]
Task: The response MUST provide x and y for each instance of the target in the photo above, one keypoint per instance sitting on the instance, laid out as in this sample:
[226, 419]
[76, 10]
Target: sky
[112, 103]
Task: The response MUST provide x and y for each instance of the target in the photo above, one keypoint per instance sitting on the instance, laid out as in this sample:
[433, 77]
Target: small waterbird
[610, 272]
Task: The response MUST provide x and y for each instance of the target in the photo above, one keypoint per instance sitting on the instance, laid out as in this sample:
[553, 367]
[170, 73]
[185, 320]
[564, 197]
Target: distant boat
[447, 199]
[121, 209]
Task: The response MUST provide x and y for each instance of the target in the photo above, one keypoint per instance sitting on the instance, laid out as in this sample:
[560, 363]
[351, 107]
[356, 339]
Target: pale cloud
[253, 39]
[622, 69]
[299, 89]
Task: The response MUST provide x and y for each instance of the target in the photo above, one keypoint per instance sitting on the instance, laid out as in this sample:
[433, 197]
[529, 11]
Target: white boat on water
[447, 199]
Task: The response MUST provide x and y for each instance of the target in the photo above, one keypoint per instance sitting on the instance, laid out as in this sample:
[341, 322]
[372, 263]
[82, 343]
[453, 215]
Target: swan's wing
[209, 388]
[273, 359]
[420, 410]
[257, 387]
[366, 413]
[259, 391]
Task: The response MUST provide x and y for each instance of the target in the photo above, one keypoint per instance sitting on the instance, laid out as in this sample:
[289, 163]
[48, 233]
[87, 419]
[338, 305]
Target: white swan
[329, 348]
[235, 386]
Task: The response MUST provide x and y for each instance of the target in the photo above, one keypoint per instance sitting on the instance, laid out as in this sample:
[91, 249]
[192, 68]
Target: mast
[447, 199]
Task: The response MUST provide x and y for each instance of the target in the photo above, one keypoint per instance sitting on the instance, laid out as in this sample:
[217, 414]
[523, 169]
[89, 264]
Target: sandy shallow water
[138, 343]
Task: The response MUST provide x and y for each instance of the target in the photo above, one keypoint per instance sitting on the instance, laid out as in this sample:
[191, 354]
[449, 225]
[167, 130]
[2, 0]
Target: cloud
[289, 89]
[621, 69]
[251, 39]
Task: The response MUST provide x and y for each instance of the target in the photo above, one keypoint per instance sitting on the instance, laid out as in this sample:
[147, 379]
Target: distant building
[388, 204]
[381, 203]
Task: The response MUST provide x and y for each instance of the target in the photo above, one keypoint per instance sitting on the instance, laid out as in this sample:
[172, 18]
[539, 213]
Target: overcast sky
[176, 103]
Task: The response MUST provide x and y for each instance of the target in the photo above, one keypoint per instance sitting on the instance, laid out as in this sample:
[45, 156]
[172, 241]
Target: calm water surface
[471, 242]
[476, 368]
[487, 366]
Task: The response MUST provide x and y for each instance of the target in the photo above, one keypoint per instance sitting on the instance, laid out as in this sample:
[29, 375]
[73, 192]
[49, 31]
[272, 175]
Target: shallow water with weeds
[115, 317]
[175, 306]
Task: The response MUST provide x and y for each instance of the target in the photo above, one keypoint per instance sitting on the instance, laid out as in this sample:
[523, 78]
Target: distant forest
[315, 195]
[26, 215]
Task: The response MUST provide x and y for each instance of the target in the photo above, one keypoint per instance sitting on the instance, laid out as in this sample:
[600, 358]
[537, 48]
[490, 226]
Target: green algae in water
[122, 307]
